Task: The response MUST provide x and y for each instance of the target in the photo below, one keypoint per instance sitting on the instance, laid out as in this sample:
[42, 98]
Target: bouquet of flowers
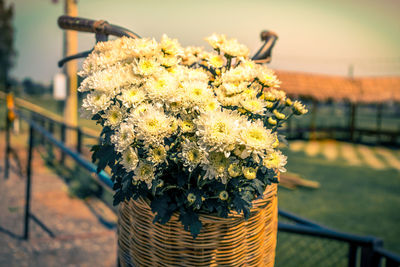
[192, 131]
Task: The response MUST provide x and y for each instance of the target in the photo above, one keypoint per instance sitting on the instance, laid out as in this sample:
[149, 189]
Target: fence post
[9, 117]
[352, 121]
[379, 122]
[51, 130]
[368, 252]
[313, 132]
[352, 255]
[28, 184]
[8, 148]
[42, 123]
[79, 141]
[63, 129]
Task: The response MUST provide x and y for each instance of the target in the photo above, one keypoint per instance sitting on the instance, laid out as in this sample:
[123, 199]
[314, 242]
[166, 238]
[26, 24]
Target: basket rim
[257, 205]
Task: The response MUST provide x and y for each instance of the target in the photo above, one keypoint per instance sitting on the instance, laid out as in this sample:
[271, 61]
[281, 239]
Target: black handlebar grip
[93, 26]
[76, 24]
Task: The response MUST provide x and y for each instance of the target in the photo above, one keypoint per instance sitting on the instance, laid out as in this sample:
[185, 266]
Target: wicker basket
[229, 241]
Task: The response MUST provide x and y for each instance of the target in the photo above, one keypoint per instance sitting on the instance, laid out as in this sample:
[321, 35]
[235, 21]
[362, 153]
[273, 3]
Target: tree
[7, 52]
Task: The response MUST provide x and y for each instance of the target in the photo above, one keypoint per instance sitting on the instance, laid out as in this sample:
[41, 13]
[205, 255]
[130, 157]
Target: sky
[325, 36]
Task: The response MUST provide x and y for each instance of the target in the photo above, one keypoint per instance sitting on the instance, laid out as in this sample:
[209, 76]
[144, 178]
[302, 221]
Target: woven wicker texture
[229, 241]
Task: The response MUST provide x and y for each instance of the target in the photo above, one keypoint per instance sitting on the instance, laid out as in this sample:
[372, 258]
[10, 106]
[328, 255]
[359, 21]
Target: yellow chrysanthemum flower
[144, 172]
[147, 66]
[256, 138]
[278, 115]
[114, 115]
[130, 159]
[255, 106]
[218, 130]
[216, 61]
[234, 169]
[275, 160]
[250, 173]
[157, 155]
[217, 167]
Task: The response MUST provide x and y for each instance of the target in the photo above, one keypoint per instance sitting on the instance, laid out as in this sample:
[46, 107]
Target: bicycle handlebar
[93, 26]
[102, 29]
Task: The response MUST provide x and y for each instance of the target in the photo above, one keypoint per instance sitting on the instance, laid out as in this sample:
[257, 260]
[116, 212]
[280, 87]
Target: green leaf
[258, 186]
[223, 210]
[241, 204]
[190, 221]
[211, 205]
[118, 197]
[163, 209]
[181, 179]
[105, 155]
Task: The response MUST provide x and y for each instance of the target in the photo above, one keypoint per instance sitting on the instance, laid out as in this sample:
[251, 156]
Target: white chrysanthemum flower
[123, 137]
[267, 77]
[274, 95]
[141, 47]
[145, 173]
[216, 40]
[169, 61]
[233, 48]
[275, 160]
[114, 116]
[192, 155]
[132, 96]
[250, 93]
[231, 89]
[299, 108]
[243, 72]
[96, 102]
[216, 61]
[146, 66]
[187, 126]
[191, 55]
[196, 94]
[129, 159]
[157, 155]
[96, 62]
[256, 139]
[109, 80]
[170, 46]
[211, 104]
[218, 130]
[152, 126]
[254, 105]
[217, 167]
[162, 87]
[193, 75]
[107, 54]
[224, 100]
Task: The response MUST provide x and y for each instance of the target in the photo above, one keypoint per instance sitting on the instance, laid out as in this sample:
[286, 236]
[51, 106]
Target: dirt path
[81, 239]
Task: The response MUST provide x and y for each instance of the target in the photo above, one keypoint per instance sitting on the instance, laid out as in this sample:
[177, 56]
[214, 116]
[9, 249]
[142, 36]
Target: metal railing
[50, 123]
[35, 128]
[312, 244]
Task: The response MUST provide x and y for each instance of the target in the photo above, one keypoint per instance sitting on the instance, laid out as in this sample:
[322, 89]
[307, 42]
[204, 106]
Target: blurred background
[342, 58]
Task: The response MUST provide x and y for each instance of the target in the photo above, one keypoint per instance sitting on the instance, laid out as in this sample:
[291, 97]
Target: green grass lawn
[358, 200]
